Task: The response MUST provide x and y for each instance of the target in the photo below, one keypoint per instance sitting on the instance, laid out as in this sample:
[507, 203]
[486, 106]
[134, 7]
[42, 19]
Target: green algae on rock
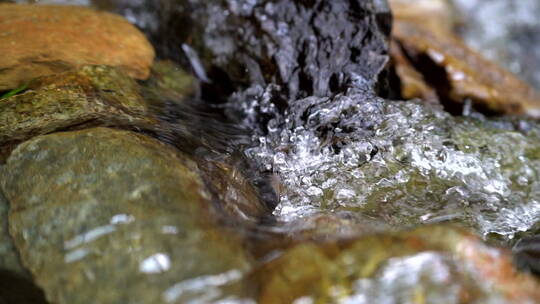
[432, 264]
[92, 95]
[168, 81]
[120, 213]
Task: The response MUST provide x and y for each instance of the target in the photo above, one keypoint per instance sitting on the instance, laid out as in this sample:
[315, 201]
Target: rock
[412, 83]
[169, 81]
[438, 16]
[45, 40]
[237, 196]
[457, 73]
[9, 259]
[120, 213]
[91, 95]
[305, 47]
[526, 254]
[435, 14]
[506, 32]
[433, 264]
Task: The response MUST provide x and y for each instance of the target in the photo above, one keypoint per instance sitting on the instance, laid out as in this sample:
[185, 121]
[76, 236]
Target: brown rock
[465, 73]
[436, 14]
[44, 40]
[412, 82]
[431, 264]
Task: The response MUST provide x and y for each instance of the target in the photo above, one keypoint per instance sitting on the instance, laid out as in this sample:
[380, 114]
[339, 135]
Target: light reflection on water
[404, 164]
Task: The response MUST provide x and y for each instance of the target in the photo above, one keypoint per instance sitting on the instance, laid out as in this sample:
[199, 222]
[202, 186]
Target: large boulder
[110, 216]
[45, 40]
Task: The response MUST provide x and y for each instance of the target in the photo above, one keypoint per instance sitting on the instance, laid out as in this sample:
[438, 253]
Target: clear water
[402, 164]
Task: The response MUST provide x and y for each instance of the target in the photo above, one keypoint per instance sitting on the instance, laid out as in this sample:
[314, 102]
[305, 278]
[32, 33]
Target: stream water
[340, 149]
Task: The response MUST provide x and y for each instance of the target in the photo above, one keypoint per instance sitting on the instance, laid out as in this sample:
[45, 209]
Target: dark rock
[9, 259]
[307, 47]
[110, 216]
[527, 254]
[19, 289]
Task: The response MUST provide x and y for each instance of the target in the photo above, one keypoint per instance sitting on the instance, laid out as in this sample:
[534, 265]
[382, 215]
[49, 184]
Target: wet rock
[412, 83]
[436, 15]
[119, 213]
[306, 47]
[527, 254]
[505, 31]
[403, 164]
[169, 81]
[45, 40]
[433, 264]
[92, 95]
[457, 73]
[237, 196]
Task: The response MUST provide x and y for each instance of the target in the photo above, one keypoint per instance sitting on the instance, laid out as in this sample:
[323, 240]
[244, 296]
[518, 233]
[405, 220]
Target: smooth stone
[91, 95]
[432, 264]
[45, 40]
[111, 216]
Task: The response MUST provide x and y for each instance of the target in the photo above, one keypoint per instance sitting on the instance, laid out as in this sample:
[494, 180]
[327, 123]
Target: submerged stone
[45, 40]
[92, 95]
[169, 81]
[433, 264]
[110, 216]
[237, 196]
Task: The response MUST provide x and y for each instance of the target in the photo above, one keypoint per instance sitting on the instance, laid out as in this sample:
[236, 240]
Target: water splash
[402, 163]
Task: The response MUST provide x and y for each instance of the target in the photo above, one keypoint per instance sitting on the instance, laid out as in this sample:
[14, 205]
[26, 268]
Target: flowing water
[402, 164]
[387, 165]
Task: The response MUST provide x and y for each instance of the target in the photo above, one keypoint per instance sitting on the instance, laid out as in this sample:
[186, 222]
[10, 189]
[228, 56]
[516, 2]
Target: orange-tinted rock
[467, 75]
[412, 82]
[437, 14]
[43, 40]
[432, 264]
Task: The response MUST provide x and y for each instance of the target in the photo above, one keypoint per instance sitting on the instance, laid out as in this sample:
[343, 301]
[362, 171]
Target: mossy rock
[112, 216]
[90, 96]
